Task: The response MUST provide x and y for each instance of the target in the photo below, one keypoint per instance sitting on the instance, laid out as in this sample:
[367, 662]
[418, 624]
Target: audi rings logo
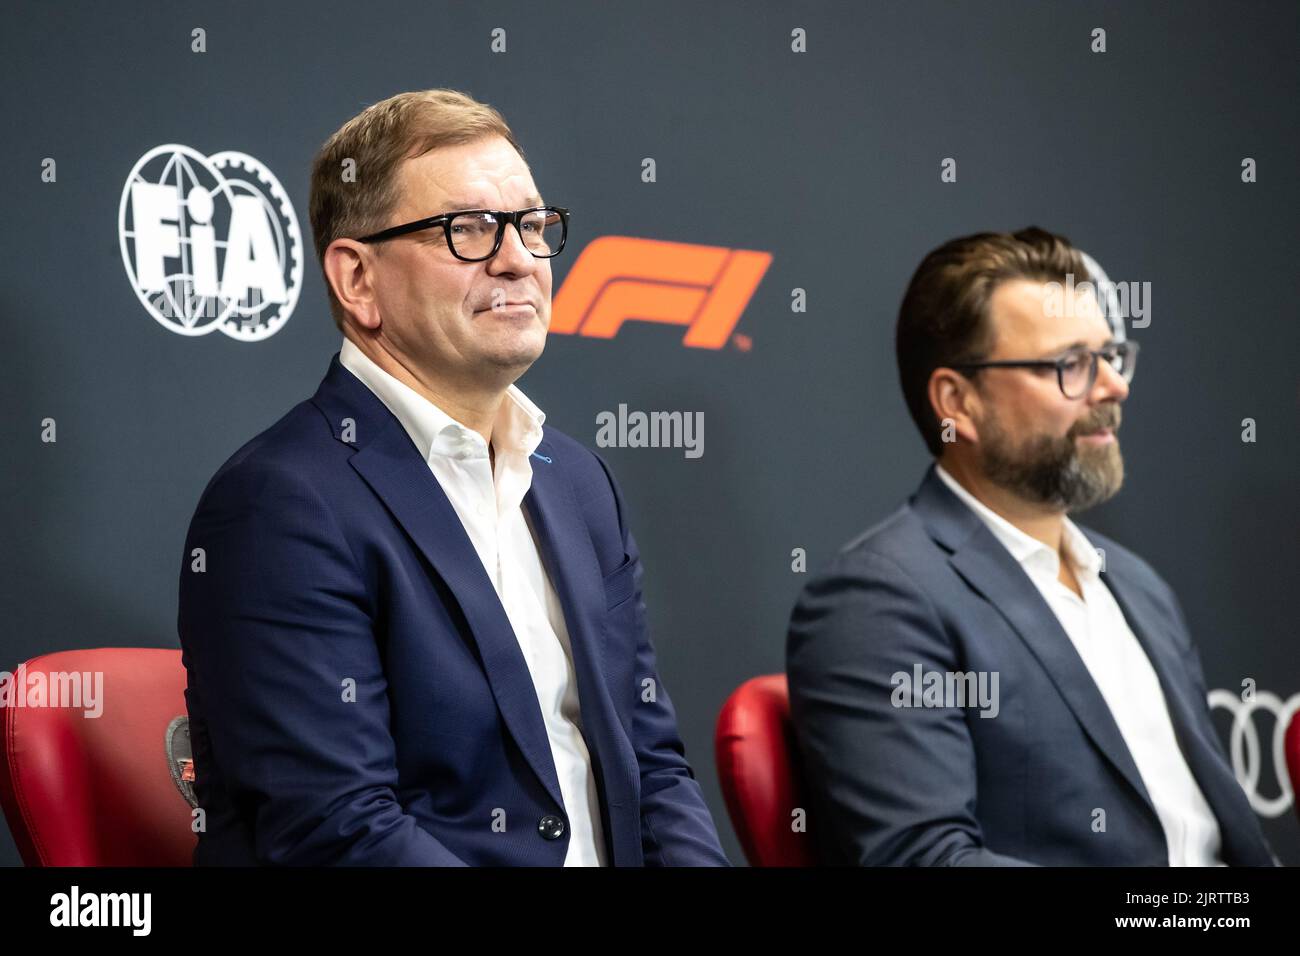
[1244, 745]
[210, 242]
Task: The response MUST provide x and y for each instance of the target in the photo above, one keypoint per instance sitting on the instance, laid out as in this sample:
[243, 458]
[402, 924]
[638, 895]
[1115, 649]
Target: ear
[955, 403]
[349, 268]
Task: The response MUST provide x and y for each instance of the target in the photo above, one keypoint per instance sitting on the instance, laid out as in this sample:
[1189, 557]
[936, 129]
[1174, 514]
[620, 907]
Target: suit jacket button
[550, 827]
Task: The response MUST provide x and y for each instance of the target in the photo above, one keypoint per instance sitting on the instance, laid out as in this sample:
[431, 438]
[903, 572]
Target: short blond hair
[378, 140]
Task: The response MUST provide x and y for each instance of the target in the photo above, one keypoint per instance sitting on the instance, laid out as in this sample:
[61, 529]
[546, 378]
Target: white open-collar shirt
[490, 509]
[1123, 674]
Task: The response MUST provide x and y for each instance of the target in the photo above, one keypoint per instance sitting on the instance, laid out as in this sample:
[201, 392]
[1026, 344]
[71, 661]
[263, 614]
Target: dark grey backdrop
[829, 160]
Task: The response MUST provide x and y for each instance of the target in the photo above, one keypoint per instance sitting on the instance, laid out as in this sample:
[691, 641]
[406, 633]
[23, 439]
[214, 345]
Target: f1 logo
[621, 278]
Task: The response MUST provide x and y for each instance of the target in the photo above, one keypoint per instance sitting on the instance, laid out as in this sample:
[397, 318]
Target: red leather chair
[81, 790]
[1292, 747]
[758, 765]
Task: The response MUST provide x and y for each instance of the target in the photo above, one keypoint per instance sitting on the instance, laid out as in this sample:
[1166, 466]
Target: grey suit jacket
[1049, 779]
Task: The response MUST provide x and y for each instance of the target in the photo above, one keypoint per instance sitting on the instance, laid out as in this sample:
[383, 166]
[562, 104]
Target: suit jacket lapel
[986, 565]
[1218, 785]
[570, 560]
[391, 465]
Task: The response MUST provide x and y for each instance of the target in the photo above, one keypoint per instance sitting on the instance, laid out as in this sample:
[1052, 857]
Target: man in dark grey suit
[978, 680]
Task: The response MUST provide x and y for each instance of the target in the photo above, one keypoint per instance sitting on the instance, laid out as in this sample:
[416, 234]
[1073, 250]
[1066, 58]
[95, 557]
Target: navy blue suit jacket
[931, 585]
[356, 693]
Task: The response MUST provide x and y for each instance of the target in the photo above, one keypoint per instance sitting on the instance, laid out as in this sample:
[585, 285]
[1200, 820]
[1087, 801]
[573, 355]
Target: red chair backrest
[1292, 747]
[82, 790]
[758, 765]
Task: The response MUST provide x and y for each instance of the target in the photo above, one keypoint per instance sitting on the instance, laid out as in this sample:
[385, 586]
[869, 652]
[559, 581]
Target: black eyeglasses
[475, 234]
[1076, 370]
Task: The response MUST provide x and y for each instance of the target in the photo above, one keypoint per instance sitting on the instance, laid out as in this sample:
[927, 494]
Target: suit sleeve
[286, 673]
[676, 826]
[1192, 660]
[897, 786]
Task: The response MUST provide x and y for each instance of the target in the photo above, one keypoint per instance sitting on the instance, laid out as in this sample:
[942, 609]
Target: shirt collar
[518, 426]
[1028, 551]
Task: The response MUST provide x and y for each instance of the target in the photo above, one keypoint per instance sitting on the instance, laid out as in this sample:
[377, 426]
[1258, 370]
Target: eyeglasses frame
[502, 217]
[1059, 364]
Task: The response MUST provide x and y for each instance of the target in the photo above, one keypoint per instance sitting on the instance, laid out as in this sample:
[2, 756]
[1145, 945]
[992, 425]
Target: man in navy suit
[411, 615]
[978, 680]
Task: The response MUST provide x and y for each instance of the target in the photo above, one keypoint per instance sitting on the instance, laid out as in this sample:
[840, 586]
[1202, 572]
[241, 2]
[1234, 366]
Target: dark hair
[944, 316]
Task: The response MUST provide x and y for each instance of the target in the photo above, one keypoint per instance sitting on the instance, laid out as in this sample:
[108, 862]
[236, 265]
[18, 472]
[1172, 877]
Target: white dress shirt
[497, 525]
[1123, 674]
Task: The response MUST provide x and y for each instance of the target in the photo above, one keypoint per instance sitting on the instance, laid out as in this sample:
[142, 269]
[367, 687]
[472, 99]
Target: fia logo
[210, 242]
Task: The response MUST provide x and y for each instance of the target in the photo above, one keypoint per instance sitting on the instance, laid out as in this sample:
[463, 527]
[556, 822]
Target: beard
[1056, 471]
